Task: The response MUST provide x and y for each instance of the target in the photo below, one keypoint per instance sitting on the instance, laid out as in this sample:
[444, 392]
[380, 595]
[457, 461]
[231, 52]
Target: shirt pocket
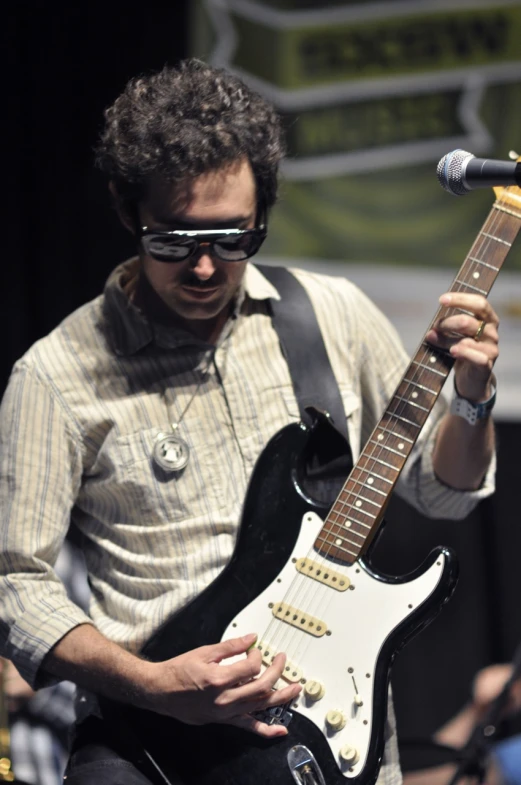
[207, 491]
[127, 486]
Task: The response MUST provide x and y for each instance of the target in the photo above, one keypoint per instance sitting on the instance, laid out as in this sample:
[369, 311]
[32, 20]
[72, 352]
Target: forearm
[90, 660]
[197, 687]
[463, 452]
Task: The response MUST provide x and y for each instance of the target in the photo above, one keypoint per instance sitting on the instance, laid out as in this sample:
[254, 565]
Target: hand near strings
[199, 687]
[472, 339]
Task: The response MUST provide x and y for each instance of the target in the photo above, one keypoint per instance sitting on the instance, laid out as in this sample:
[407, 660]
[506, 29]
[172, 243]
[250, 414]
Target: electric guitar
[298, 578]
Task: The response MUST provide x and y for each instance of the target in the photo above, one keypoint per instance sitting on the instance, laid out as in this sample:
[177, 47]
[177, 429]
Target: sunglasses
[228, 245]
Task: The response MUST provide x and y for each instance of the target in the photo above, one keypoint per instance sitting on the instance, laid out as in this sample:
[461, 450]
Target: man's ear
[122, 209]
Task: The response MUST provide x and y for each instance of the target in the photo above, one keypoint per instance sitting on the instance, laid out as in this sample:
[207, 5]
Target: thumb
[232, 647]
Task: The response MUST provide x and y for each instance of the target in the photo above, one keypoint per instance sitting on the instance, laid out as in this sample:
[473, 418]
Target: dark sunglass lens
[168, 249]
[238, 248]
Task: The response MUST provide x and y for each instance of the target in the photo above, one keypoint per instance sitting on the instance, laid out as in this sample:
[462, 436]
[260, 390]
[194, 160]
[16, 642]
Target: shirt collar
[256, 286]
[130, 330]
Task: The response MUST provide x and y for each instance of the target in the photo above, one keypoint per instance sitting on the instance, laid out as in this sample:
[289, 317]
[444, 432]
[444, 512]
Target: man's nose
[202, 263]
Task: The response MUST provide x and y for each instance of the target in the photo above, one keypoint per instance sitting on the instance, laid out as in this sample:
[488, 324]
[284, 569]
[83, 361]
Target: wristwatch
[472, 412]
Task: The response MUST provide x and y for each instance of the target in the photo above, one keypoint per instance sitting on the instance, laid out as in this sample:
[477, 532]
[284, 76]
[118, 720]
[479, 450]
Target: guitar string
[345, 504]
[489, 225]
[497, 218]
[485, 243]
[401, 406]
[372, 455]
[473, 266]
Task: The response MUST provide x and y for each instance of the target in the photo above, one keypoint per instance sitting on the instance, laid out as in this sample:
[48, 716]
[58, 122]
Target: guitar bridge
[275, 715]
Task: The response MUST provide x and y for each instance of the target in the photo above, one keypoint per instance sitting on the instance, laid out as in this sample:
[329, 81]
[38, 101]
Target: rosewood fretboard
[358, 510]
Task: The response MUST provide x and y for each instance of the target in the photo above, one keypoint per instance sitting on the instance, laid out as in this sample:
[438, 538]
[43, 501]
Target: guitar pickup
[323, 574]
[291, 673]
[303, 621]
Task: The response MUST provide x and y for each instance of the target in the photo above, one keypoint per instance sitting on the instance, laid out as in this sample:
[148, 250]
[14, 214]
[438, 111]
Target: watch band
[472, 412]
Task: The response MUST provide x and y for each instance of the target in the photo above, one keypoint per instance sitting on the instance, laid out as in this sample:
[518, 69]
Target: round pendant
[171, 452]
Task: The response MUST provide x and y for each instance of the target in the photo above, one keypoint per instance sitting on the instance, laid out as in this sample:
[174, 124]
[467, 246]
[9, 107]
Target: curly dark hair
[183, 121]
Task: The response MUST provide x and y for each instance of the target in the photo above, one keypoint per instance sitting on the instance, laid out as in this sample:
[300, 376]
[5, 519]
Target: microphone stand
[472, 756]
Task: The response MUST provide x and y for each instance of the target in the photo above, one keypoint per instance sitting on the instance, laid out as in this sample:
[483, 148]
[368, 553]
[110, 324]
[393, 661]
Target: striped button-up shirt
[79, 422]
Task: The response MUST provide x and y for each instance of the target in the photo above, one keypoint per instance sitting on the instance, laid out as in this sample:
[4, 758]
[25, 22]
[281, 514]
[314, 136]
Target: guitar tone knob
[314, 690]
[349, 755]
[336, 719]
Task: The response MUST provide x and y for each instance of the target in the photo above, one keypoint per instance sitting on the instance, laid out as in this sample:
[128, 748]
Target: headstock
[510, 195]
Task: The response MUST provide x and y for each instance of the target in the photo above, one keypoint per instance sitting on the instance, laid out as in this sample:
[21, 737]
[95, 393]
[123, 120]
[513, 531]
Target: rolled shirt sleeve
[40, 473]
[425, 491]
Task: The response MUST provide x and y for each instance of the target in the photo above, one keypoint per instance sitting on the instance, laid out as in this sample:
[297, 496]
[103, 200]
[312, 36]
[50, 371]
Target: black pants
[102, 756]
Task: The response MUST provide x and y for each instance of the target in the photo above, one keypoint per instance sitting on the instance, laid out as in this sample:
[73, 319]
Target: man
[140, 418]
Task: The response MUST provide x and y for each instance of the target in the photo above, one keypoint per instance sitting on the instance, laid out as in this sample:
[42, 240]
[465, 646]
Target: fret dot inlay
[380, 437]
[338, 542]
[433, 359]
[414, 395]
[370, 481]
[475, 275]
[401, 446]
[359, 503]
[347, 524]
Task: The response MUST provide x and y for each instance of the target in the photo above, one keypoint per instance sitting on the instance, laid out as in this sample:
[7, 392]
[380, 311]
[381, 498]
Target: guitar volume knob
[336, 719]
[314, 690]
[349, 755]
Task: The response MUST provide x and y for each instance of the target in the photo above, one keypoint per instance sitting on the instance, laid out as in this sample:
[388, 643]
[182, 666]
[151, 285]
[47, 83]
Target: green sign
[372, 96]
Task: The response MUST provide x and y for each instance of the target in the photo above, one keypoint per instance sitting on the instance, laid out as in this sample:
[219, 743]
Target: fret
[360, 510]
[385, 447]
[404, 419]
[485, 264]
[338, 545]
[374, 474]
[507, 210]
[342, 534]
[350, 507]
[411, 403]
[369, 487]
[392, 433]
[429, 368]
[422, 386]
[469, 286]
[497, 239]
[348, 521]
[379, 460]
[363, 498]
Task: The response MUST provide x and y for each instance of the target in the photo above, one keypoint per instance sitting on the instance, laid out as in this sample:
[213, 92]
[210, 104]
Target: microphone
[460, 172]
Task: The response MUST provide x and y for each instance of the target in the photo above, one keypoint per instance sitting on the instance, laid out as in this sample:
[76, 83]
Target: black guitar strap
[316, 388]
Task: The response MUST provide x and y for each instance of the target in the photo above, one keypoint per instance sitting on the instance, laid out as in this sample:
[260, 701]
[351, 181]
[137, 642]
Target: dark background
[61, 239]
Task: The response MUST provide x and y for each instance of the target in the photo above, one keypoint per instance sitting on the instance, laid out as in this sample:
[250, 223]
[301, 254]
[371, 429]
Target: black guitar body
[224, 755]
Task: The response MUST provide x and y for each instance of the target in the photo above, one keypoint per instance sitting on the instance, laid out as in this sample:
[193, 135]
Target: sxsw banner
[372, 95]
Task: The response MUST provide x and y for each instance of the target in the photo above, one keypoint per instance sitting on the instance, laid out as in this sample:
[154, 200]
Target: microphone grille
[450, 172]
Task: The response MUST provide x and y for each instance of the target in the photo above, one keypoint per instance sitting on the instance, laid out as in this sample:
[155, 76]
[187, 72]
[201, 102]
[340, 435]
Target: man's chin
[198, 309]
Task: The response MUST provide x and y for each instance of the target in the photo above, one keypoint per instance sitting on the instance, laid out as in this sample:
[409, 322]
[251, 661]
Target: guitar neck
[358, 510]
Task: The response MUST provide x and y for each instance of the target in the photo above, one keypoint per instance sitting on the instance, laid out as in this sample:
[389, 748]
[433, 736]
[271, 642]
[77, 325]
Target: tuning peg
[513, 155]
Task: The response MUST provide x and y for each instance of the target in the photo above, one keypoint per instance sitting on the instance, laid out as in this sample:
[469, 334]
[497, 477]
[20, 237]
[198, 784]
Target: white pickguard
[358, 620]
